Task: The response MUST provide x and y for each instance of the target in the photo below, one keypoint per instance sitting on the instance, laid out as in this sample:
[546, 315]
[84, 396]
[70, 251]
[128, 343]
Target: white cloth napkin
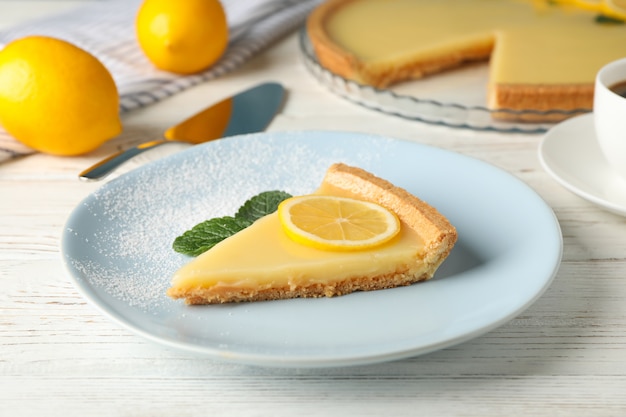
[106, 29]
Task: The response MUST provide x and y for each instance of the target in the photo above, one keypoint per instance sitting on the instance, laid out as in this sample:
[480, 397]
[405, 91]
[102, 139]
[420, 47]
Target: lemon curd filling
[273, 259]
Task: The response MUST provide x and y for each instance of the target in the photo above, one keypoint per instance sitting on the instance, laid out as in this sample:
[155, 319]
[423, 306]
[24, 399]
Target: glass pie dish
[455, 98]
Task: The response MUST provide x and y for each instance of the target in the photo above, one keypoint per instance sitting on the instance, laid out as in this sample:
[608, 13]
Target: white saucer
[569, 152]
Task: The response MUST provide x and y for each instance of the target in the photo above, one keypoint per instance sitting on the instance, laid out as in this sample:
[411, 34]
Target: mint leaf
[207, 234]
[603, 19]
[261, 205]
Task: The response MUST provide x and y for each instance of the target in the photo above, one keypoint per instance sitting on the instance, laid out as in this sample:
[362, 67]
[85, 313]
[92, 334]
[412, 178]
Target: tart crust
[436, 231]
[572, 99]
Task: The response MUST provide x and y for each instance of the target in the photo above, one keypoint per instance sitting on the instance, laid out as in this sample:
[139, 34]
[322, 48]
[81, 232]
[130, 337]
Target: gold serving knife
[246, 112]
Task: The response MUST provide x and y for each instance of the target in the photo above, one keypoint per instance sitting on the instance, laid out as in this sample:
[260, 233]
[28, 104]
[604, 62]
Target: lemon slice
[337, 223]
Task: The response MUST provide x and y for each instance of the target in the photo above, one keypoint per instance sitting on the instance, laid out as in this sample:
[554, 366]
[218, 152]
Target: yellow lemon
[183, 37]
[337, 223]
[610, 8]
[615, 8]
[56, 97]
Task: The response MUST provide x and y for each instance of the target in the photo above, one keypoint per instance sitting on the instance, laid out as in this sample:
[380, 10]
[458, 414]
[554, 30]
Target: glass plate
[454, 98]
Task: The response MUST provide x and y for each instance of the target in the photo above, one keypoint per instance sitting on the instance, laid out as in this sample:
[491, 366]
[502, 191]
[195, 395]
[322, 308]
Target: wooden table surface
[564, 356]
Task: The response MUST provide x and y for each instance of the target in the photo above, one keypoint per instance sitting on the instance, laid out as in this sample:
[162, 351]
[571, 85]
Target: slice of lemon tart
[391, 239]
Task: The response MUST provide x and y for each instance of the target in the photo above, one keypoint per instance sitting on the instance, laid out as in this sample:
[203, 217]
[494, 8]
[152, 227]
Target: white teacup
[609, 109]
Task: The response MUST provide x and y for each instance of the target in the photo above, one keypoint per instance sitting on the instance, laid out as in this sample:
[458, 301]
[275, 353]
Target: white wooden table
[565, 355]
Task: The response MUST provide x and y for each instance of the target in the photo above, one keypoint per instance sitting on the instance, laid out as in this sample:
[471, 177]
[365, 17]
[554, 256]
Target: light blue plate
[117, 249]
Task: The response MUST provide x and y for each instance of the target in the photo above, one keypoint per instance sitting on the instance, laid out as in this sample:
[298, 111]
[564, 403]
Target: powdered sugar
[119, 240]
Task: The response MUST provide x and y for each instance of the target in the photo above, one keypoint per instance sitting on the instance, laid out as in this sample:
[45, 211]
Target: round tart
[543, 56]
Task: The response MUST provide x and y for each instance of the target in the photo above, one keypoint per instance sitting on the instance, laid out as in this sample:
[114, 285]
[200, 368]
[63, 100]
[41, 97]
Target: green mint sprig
[209, 233]
[603, 19]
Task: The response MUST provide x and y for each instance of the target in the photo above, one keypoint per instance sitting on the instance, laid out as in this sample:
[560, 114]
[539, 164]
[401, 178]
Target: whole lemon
[56, 97]
[183, 37]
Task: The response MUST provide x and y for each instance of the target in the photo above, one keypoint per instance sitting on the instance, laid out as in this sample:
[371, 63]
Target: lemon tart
[543, 55]
[262, 262]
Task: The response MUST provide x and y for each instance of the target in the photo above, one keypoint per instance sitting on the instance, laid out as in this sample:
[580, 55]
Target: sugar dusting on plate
[120, 239]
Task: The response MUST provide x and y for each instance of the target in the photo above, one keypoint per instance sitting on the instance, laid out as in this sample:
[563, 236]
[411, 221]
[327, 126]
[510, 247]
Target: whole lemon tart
[263, 262]
[543, 55]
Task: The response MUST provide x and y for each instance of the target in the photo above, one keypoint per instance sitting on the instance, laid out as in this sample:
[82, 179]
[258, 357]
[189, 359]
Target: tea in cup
[609, 109]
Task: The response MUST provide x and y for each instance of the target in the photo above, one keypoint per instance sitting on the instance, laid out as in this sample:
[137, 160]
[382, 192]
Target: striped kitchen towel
[106, 29]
